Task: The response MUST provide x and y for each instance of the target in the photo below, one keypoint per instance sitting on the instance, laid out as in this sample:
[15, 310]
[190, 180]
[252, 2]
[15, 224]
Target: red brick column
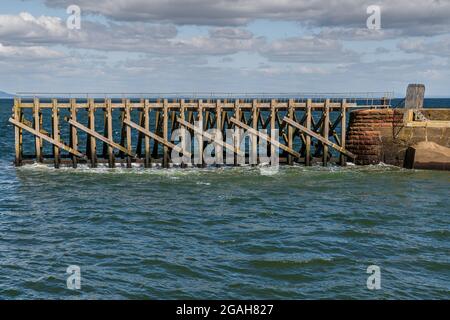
[365, 132]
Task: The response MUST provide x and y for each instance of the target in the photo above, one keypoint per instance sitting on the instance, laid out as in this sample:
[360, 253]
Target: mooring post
[55, 133]
[147, 160]
[343, 159]
[291, 130]
[73, 131]
[255, 114]
[37, 127]
[326, 130]
[18, 132]
[128, 131]
[415, 94]
[308, 138]
[219, 149]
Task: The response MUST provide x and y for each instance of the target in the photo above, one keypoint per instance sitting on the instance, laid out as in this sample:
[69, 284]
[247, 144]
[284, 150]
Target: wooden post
[326, 130]
[308, 138]
[291, 130]
[219, 149]
[37, 127]
[237, 136]
[140, 135]
[342, 157]
[199, 136]
[147, 160]
[166, 133]
[128, 132]
[109, 129]
[255, 114]
[73, 131]
[414, 96]
[157, 131]
[55, 133]
[92, 141]
[273, 111]
[18, 132]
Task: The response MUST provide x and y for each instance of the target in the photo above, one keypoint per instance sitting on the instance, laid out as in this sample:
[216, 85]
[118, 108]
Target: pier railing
[71, 129]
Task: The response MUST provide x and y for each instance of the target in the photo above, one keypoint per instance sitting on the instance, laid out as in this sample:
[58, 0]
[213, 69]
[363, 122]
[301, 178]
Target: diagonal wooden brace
[156, 137]
[265, 137]
[319, 137]
[47, 138]
[210, 137]
[99, 136]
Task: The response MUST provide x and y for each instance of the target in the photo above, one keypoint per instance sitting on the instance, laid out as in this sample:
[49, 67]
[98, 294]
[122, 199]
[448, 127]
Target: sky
[253, 46]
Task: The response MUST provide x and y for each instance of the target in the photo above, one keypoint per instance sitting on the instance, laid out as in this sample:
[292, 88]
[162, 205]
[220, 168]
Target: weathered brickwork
[380, 135]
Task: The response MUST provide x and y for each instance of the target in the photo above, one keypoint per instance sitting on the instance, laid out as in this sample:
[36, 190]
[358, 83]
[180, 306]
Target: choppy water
[222, 233]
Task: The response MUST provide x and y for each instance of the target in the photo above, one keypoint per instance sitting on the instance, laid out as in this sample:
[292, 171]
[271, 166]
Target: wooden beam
[272, 126]
[92, 142]
[128, 133]
[73, 131]
[291, 112]
[18, 132]
[326, 131]
[237, 136]
[308, 137]
[109, 127]
[47, 138]
[97, 135]
[318, 137]
[156, 137]
[165, 133]
[254, 151]
[37, 128]
[140, 135]
[265, 137]
[342, 159]
[147, 160]
[219, 148]
[199, 137]
[210, 137]
[55, 133]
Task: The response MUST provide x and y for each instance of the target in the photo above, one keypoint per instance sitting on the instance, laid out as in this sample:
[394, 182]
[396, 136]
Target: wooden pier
[119, 133]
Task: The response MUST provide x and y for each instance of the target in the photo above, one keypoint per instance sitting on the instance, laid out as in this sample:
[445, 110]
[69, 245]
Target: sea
[354, 232]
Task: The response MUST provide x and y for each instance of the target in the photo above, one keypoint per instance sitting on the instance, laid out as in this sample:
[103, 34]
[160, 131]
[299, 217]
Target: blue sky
[224, 45]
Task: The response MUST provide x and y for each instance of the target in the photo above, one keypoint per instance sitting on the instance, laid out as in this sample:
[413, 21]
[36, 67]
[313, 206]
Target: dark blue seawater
[221, 233]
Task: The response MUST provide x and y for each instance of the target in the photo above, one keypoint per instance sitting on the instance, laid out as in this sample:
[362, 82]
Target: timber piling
[143, 131]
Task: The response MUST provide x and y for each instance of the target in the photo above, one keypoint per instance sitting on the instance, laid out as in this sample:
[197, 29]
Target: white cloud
[13, 53]
[420, 17]
[310, 50]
